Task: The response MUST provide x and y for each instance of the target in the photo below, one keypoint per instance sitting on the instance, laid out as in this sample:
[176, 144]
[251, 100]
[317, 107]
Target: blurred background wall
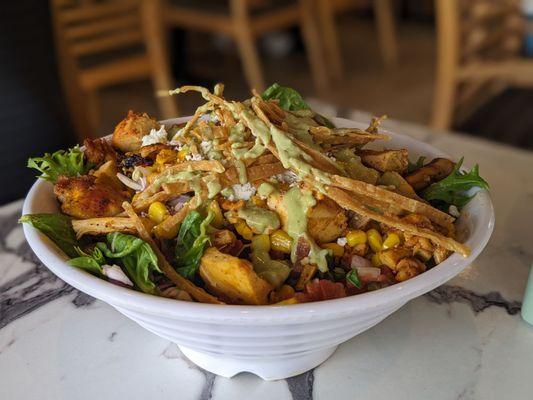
[73, 68]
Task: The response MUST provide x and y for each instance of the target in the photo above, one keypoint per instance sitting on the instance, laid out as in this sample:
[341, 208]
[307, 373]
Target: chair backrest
[480, 30]
[89, 27]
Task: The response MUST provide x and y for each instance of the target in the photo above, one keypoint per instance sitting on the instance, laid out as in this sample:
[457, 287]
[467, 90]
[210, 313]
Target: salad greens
[69, 162]
[135, 255]
[191, 241]
[92, 263]
[353, 278]
[58, 228]
[452, 189]
[289, 99]
[411, 167]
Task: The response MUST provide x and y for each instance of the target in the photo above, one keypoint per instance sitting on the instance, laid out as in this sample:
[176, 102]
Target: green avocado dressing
[266, 189]
[297, 203]
[192, 176]
[259, 219]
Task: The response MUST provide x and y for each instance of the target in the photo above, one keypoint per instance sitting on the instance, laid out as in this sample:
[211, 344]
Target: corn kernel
[261, 243]
[244, 230]
[375, 240]
[166, 156]
[336, 250]
[281, 241]
[392, 240]
[376, 260]
[356, 237]
[182, 153]
[287, 302]
[157, 212]
[218, 219]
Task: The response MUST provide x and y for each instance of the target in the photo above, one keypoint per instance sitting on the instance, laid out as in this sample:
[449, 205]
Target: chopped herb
[353, 278]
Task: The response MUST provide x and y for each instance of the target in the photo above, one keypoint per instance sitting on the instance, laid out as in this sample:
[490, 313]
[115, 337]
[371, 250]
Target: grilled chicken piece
[408, 268]
[326, 221]
[436, 170]
[85, 197]
[386, 160]
[99, 151]
[129, 132]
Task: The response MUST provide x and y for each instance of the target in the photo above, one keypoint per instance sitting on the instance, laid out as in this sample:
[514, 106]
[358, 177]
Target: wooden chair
[244, 22]
[103, 43]
[385, 25]
[478, 54]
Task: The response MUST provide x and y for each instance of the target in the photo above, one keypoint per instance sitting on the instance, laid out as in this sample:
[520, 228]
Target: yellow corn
[244, 230]
[182, 153]
[218, 219]
[336, 250]
[392, 240]
[376, 260]
[158, 212]
[261, 243]
[287, 302]
[356, 237]
[166, 156]
[280, 241]
[374, 240]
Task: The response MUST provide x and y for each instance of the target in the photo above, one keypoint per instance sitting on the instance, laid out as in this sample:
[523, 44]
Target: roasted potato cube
[392, 257]
[386, 160]
[233, 279]
[129, 132]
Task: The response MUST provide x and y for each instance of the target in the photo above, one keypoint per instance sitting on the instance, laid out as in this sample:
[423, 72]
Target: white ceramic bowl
[272, 342]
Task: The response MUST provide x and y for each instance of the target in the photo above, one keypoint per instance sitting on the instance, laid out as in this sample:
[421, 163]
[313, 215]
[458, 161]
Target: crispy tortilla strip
[140, 203]
[169, 228]
[176, 188]
[386, 160]
[347, 201]
[346, 137]
[101, 226]
[254, 174]
[202, 165]
[396, 199]
[183, 284]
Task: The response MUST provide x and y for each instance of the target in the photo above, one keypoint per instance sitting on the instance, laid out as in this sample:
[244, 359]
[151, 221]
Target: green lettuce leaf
[69, 162]
[91, 263]
[57, 227]
[137, 257]
[191, 241]
[452, 189]
[289, 99]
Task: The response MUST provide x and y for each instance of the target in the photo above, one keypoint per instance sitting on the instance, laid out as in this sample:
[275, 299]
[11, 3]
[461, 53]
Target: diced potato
[233, 279]
[386, 160]
[326, 221]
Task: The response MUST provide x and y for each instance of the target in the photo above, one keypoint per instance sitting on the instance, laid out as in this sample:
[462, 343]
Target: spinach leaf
[69, 162]
[137, 257]
[289, 99]
[191, 242]
[57, 227]
[452, 189]
[92, 263]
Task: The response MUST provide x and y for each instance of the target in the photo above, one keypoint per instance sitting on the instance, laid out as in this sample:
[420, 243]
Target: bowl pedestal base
[268, 368]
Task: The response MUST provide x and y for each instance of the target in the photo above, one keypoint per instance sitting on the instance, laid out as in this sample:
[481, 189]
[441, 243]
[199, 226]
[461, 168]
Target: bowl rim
[119, 296]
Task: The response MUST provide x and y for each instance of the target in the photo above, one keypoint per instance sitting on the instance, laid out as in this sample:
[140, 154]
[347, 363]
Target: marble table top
[464, 340]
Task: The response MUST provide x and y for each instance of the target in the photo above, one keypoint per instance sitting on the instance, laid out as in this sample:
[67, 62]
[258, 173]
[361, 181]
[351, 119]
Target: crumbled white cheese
[156, 136]
[115, 272]
[288, 177]
[177, 144]
[243, 192]
[454, 211]
[194, 157]
[342, 241]
[206, 146]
